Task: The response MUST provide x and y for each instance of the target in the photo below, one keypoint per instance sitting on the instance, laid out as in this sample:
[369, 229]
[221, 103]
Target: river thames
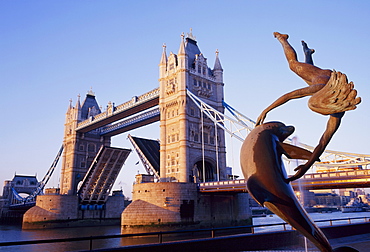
[15, 233]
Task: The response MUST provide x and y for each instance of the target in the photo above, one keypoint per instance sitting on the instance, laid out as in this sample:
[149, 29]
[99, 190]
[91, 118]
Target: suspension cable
[217, 165]
[203, 162]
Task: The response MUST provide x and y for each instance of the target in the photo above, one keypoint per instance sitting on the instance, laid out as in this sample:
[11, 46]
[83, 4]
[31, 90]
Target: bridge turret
[188, 147]
[78, 109]
[73, 115]
[163, 63]
[182, 56]
[79, 148]
[217, 69]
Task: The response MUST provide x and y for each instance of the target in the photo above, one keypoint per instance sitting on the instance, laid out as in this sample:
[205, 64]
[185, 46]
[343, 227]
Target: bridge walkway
[136, 105]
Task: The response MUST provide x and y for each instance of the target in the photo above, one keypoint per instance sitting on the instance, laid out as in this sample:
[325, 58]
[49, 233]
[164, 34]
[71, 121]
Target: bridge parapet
[96, 117]
[138, 99]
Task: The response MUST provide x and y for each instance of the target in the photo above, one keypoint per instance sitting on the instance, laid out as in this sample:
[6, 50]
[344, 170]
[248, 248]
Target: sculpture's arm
[331, 128]
[302, 92]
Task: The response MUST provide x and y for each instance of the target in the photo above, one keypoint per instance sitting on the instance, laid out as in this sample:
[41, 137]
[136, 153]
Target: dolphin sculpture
[267, 182]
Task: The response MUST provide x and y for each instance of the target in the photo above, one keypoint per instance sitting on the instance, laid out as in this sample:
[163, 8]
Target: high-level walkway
[136, 105]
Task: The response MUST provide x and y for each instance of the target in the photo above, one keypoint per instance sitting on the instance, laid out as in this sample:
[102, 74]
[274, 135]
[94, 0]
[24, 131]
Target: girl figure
[330, 92]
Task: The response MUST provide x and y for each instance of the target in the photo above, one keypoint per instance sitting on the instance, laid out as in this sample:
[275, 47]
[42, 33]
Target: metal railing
[208, 233]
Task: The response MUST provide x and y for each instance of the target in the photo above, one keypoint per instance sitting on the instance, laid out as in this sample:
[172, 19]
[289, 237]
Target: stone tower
[190, 148]
[79, 148]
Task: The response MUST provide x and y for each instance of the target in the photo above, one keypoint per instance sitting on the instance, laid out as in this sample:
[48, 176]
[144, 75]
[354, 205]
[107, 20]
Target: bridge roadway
[136, 105]
[314, 181]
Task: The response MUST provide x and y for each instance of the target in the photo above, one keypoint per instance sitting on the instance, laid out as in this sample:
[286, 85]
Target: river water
[15, 233]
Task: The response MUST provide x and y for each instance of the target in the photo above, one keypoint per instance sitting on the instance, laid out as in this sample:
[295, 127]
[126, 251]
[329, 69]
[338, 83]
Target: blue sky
[51, 51]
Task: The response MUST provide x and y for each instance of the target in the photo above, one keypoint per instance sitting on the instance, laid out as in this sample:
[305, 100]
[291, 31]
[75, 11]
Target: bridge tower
[79, 148]
[191, 149]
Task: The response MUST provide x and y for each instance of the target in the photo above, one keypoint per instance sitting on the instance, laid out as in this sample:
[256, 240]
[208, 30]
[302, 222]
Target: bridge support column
[55, 210]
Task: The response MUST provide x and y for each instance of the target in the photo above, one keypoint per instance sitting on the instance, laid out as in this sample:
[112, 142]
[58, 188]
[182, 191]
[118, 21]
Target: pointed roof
[217, 65]
[70, 105]
[182, 46]
[78, 105]
[89, 102]
[191, 49]
[164, 56]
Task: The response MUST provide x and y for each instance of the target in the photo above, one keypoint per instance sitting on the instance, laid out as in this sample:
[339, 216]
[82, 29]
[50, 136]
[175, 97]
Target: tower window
[195, 83]
[91, 147]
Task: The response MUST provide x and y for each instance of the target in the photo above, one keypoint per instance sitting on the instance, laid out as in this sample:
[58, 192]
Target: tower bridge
[189, 104]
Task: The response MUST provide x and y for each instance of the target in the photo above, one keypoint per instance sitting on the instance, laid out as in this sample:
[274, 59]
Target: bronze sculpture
[331, 95]
[260, 155]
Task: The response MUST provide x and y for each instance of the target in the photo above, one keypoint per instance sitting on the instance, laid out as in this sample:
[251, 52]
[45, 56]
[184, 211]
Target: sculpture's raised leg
[308, 72]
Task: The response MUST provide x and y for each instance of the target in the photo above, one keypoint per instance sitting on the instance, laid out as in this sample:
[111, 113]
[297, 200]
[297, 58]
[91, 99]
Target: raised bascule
[187, 181]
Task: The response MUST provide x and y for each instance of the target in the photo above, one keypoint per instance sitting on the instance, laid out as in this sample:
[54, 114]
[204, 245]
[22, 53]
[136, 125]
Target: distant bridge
[313, 181]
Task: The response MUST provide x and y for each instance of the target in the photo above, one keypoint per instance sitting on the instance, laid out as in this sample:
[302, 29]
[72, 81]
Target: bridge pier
[157, 205]
[53, 211]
